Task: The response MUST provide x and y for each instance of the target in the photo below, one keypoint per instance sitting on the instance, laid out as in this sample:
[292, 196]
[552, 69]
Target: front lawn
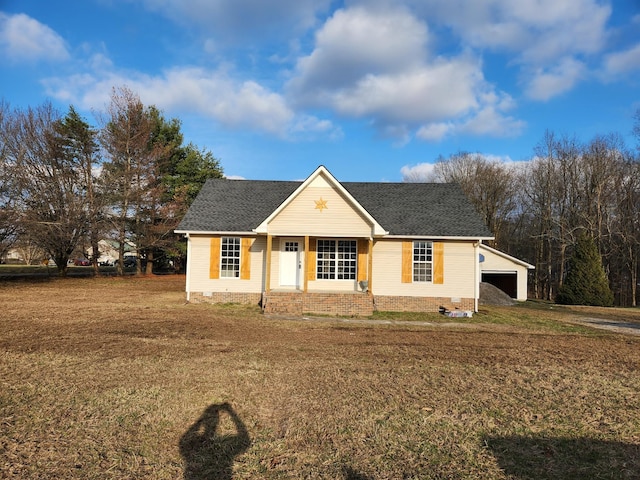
[119, 378]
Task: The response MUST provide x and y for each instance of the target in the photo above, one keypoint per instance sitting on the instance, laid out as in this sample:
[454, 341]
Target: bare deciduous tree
[46, 183]
[490, 185]
[9, 228]
[627, 226]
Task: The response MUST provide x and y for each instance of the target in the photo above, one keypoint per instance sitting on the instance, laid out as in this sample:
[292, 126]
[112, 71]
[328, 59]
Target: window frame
[422, 264]
[235, 259]
[336, 259]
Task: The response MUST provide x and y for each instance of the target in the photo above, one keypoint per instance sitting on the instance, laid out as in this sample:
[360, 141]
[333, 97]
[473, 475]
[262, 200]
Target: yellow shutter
[214, 258]
[363, 251]
[311, 260]
[407, 261]
[438, 262]
[245, 258]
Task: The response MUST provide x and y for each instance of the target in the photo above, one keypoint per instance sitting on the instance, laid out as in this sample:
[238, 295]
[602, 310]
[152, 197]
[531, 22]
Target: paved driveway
[611, 325]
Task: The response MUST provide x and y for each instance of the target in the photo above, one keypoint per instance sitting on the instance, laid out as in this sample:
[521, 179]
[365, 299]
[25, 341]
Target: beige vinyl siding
[495, 262]
[200, 265]
[459, 278]
[301, 216]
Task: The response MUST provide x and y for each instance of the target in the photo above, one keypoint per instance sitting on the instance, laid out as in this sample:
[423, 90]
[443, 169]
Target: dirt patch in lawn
[121, 378]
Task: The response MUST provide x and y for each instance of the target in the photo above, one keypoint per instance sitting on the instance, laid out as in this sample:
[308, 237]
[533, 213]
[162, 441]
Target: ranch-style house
[328, 247]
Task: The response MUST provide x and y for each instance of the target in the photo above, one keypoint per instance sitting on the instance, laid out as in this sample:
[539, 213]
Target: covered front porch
[318, 264]
[322, 275]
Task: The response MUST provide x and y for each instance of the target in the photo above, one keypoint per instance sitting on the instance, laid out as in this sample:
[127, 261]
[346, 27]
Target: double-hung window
[422, 261]
[336, 259]
[230, 257]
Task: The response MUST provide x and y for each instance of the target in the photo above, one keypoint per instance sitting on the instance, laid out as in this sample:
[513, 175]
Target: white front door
[290, 264]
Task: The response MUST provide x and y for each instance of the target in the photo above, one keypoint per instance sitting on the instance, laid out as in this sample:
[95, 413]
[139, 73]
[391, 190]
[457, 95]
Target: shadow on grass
[567, 458]
[208, 453]
[351, 474]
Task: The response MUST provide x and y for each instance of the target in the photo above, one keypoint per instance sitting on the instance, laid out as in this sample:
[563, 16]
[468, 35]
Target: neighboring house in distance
[505, 272]
[321, 246]
[13, 256]
[109, 252]
[24, 252]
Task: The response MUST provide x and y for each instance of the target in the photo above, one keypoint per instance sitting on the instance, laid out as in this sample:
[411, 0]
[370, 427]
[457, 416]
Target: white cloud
[432, 92]
[24, 39]
[214, 94]
[309, 126]
[237, 20]
[490, 120]
[422, 172]
[623, 62]
[545, 84]
[538, 30]
[375, 64]
[434, 132]
[357, 42]
[535, 35]
[560, 28]
[379, 61]
[506, 159]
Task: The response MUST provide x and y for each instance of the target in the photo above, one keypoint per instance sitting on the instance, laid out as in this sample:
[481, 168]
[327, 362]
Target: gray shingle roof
[422, 209]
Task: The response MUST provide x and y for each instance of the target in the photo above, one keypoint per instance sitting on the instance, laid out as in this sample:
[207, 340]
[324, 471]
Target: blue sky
[370, 89]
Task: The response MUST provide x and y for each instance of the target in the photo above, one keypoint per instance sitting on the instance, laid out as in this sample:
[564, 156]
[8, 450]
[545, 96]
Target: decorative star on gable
[321, 204]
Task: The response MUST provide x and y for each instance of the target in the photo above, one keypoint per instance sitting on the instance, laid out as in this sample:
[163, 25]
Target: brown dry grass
[108, 377]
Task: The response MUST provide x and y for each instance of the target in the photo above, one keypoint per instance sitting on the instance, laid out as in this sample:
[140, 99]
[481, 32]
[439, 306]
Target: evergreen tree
[153, 177]
[586, 282]
[79, 144]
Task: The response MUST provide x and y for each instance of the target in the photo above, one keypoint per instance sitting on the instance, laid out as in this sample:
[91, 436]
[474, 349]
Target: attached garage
[504, 272]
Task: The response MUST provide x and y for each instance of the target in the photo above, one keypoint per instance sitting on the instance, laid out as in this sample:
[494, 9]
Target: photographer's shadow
[208, 453]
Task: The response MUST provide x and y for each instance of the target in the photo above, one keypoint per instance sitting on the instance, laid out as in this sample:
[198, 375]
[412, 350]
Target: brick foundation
[226, 297]
[420, 304]
[298, 303]
[343, 304]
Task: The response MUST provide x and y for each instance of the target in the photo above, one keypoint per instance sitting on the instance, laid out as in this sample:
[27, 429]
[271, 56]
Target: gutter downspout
[476, 270]
[188, 268]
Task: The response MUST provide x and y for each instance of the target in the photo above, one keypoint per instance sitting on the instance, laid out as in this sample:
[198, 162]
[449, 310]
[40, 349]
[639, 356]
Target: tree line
[540, 209]
[65, 184]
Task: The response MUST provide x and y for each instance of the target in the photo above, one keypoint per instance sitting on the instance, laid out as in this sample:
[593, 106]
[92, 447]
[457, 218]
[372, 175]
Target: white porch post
[267, 280]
